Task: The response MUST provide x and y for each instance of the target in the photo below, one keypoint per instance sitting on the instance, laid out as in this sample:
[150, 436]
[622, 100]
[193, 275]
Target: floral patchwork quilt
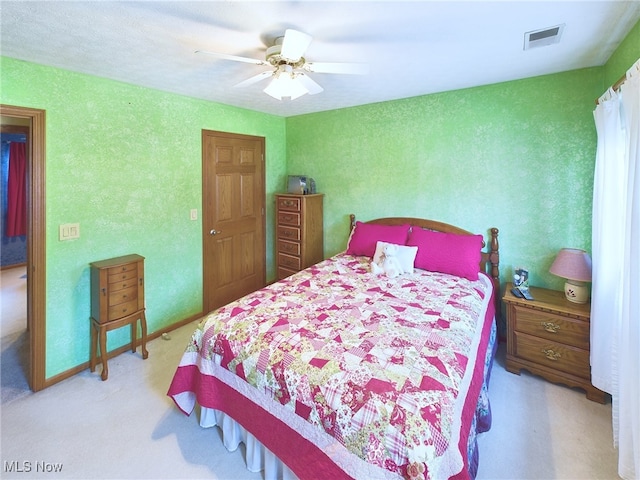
[389, 368]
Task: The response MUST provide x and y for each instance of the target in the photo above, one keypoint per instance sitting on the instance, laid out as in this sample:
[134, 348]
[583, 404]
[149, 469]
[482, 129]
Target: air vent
[544, 37]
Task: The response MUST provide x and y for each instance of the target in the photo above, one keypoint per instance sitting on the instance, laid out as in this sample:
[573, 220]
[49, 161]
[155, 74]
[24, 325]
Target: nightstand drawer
[553, 327]
[554, 355]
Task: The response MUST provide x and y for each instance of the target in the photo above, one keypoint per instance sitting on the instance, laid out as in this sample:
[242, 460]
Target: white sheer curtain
[615, 305]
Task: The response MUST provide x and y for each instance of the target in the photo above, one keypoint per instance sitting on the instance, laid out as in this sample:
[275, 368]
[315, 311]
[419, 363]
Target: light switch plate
[69, 231]
[194, 214]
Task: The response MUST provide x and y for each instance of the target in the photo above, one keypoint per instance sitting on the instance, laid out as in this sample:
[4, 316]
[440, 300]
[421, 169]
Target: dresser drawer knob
[550, 327]
[551, 354]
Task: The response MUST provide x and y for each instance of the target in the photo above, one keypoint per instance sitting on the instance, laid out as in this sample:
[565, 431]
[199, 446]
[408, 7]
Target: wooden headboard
[490, 260]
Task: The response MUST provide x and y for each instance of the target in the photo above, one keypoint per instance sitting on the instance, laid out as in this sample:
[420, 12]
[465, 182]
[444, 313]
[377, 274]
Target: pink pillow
[365, 236]
[447, 252]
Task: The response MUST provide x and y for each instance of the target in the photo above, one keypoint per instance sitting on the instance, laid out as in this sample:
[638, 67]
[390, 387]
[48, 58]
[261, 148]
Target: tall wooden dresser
[117, 299]
[299, 232]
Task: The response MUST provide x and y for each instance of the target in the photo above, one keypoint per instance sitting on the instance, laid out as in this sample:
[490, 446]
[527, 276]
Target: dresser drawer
[285, 272]
[123, 309]
[554, 355]
[288, 261]
[123, 295]
[119, 285]
[292, 248]
[117, 275]
[289, 233]
[122, 269]
[289, 218]
[553, 327]
[289, 203]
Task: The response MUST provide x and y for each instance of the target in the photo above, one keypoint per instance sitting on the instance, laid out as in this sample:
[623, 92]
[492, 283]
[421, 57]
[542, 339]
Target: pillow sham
[447, 252]
[364, 237]
[405, 255]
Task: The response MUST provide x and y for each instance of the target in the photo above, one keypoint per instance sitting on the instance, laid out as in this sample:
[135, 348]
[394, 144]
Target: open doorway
[14, 135]
[33, 120]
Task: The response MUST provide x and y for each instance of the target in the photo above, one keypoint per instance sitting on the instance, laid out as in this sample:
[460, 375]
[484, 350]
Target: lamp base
[576, 292]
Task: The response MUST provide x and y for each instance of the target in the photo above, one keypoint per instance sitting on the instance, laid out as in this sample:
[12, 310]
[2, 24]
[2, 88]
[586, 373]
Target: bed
[339, 372]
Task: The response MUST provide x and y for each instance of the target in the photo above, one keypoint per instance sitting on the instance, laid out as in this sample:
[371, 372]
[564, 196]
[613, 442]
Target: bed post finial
[352, 222]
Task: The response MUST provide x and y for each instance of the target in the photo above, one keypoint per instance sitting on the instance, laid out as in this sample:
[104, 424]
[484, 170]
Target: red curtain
[17, 190]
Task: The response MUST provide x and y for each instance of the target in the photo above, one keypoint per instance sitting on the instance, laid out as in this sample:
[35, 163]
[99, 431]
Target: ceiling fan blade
[235, 58]
[254, 79]
[308, 83]
[346, 68]
[294, 44]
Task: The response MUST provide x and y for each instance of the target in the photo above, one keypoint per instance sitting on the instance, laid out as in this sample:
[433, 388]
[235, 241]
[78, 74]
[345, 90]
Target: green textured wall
[627, 53]
[518, 156]
[125, 163]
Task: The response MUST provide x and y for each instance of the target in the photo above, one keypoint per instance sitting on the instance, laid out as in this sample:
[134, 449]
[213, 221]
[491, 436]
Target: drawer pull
[551, 354]
[104, 292]
[550, 327]
[288, 203]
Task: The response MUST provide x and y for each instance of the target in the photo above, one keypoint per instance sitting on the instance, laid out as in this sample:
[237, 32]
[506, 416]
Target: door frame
[36, 237]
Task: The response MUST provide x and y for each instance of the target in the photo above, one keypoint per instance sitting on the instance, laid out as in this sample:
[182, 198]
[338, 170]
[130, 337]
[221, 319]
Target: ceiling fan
[289, 72]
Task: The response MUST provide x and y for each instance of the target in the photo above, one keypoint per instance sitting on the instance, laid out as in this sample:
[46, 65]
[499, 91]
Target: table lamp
[574, 265]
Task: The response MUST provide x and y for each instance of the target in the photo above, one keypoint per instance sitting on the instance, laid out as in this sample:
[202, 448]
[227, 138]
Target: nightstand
[549, 336]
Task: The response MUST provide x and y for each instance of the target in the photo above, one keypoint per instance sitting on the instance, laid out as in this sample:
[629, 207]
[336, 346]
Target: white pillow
[405, 255]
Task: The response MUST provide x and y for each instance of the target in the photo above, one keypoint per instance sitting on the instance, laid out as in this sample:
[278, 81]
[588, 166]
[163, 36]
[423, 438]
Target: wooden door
[233, 217]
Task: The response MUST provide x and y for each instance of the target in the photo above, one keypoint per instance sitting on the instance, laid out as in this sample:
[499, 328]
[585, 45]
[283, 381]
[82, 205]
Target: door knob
[214, 232]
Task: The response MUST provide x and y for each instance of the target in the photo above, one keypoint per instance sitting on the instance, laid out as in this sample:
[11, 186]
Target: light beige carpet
[127, 428]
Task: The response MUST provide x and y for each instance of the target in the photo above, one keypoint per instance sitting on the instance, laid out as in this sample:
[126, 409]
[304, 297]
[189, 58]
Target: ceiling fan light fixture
[285, 84]
[289, 75]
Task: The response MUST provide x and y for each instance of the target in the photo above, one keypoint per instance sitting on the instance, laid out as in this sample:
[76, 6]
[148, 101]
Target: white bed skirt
[257, 456]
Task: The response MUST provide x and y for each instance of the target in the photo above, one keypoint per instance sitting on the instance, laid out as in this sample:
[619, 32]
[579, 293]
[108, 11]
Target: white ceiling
[413, 48]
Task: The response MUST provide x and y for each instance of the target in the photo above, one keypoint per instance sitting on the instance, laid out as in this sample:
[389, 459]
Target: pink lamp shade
[574, 265]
